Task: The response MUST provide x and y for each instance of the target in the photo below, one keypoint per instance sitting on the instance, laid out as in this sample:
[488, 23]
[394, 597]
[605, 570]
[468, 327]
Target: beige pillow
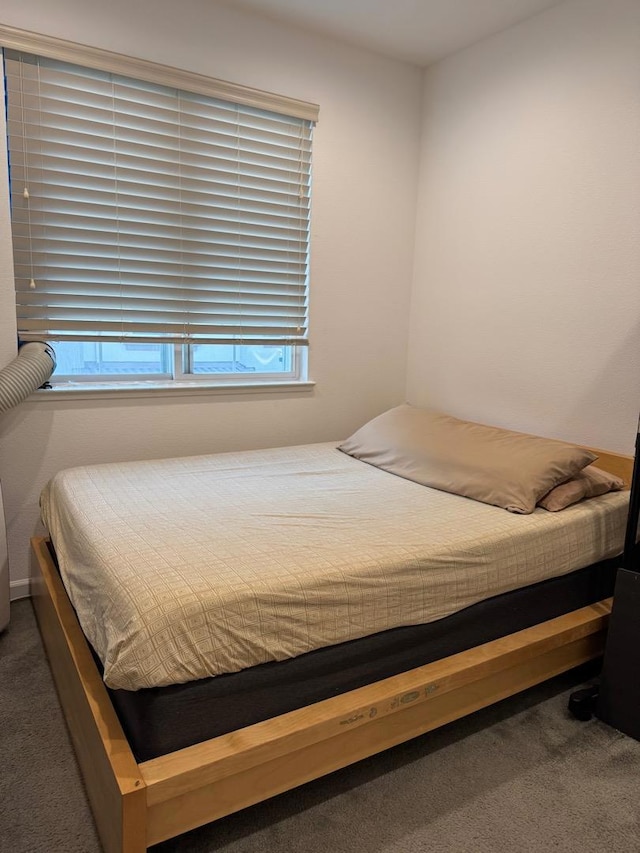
[588, 483]
[496, 466]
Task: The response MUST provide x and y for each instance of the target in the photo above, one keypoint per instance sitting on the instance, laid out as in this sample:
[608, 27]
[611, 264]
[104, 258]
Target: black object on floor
[619, 699]
[582, 703]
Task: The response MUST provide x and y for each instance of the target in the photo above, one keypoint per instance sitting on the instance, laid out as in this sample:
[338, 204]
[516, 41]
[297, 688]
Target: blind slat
[145, 299]
[218, 279]
[67, 244]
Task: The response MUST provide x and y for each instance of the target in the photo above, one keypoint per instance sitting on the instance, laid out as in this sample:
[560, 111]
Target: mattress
[182, 569]
[215, 706]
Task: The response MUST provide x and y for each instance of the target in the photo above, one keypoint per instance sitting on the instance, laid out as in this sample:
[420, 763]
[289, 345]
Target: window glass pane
[240, 358]
[76, 358]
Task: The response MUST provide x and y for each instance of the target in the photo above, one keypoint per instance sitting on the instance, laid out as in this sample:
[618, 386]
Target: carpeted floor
[520, 777]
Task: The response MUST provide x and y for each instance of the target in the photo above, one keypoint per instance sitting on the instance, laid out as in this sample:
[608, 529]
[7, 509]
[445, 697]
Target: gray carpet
[519, 777]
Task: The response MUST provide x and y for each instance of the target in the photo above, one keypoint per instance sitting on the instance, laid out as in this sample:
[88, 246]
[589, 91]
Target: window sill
[106, 391]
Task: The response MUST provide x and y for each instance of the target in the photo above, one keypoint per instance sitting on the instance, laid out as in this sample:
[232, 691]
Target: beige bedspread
[185, 568]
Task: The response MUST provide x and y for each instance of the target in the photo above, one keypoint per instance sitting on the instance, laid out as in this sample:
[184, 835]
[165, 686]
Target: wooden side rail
[209, 780]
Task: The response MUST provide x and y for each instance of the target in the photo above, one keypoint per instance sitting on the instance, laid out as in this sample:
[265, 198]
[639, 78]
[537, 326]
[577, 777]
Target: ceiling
[417, 31]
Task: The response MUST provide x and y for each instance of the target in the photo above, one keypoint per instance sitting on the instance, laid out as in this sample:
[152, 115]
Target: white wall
[365, 161]
[526, 291]
[526, 302]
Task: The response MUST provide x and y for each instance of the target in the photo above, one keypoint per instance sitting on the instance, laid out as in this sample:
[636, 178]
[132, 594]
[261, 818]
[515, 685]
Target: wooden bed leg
[113, 782]
[134, 823]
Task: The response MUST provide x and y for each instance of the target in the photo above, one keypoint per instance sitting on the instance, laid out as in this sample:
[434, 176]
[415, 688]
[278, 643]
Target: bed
[139, 801]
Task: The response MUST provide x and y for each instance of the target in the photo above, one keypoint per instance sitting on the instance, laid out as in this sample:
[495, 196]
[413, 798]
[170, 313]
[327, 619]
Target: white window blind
[144, 213]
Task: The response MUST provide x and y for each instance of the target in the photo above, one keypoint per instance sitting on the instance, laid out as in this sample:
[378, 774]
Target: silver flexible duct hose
[31, 368]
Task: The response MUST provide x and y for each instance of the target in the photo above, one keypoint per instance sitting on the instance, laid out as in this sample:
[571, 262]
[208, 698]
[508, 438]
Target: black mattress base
[160, 720]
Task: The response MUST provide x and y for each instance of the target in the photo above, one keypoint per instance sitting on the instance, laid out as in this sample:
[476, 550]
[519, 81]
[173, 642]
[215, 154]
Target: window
[159, 233]
[223, 364]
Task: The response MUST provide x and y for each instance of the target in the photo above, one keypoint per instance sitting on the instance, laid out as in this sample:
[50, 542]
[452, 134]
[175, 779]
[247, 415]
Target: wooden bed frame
[138, 805]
